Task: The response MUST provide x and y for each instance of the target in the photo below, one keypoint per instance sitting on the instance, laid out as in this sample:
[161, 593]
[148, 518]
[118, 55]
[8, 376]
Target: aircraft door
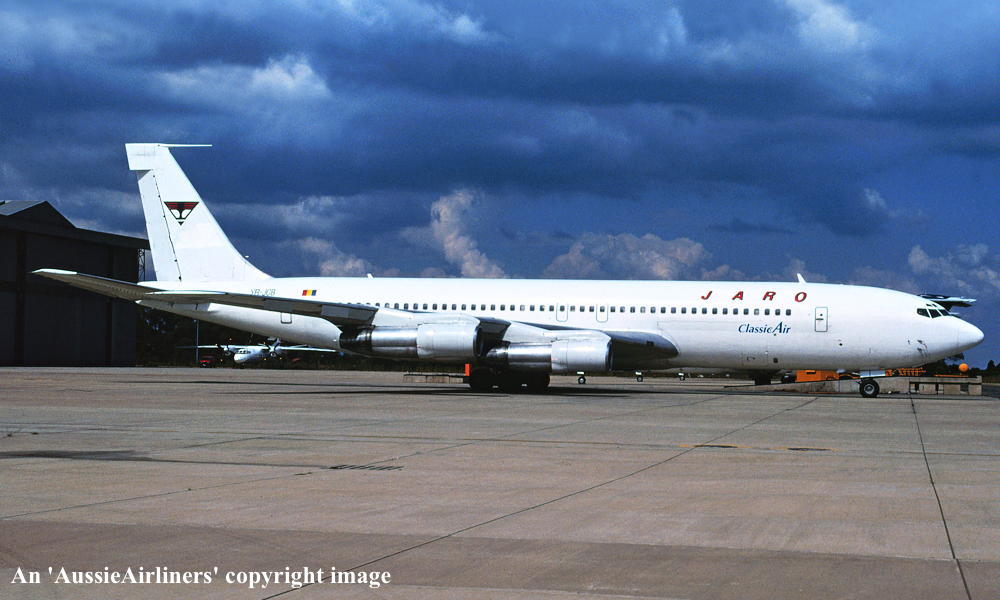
[561, 313]
[602, 313]
[821, 319]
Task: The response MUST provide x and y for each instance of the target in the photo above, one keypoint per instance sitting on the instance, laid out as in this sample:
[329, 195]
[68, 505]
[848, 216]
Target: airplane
[253, 353]
[516, 332]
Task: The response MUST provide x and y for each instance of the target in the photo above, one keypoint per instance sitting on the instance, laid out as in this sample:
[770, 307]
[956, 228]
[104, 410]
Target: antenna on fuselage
[801, 278]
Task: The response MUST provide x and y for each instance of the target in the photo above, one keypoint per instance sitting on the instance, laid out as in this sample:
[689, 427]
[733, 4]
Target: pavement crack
[937, 497]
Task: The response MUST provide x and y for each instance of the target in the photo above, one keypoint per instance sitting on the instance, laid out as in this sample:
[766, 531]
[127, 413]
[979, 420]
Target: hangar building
[45, 323]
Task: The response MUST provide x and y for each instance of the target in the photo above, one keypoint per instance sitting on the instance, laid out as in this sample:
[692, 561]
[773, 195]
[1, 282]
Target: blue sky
[854, 142]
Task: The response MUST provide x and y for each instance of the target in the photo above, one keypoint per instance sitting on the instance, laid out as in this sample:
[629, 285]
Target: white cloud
[289, 78]
[968, 269]
[797, 266]
[331, 261]
[419, 16]
[894, 280]
[828, 26]
[671, 33]
[448, 216]
[626, 256]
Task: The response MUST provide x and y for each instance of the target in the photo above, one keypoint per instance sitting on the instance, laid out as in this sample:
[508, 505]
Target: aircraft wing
[336, 313]
[640, 344]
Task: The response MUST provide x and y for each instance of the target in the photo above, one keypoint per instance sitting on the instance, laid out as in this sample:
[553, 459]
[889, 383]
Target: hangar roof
[38, 216]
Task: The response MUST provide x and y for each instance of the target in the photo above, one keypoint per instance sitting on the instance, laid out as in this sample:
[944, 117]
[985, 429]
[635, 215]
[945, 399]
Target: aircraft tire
[537, 382]
[511, 383]
[481, 380]
[868, 388]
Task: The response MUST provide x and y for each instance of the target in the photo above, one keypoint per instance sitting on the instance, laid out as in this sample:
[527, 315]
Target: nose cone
[968, 335]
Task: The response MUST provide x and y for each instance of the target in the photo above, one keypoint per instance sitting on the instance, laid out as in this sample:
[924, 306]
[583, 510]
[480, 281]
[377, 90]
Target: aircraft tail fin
[186, 241]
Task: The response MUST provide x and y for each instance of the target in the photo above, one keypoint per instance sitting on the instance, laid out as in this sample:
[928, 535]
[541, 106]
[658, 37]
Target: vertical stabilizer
[186, 241]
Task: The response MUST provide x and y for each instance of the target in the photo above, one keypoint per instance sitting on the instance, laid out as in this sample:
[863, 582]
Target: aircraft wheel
[538, 382]
[481, 380]
[581, 379]
[869, 388]
[511, 383]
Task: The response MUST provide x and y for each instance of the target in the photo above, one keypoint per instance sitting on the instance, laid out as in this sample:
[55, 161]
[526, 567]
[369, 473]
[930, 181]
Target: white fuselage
[763, 326]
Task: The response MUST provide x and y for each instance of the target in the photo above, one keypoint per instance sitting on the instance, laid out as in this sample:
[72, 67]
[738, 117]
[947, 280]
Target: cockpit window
[922, 312]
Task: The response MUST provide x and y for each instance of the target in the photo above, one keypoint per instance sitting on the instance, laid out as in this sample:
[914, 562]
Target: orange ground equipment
[816, 375]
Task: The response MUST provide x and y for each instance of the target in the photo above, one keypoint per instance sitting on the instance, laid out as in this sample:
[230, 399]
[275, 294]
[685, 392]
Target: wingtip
[53, 272]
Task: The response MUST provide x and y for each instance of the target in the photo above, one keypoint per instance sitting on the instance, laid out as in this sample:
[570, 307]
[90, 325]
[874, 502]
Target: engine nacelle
[447, 342]
[561, 356]
[431, 341]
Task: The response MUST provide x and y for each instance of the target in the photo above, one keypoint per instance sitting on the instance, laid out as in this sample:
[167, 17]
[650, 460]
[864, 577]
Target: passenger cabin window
[612, 309]
[715, 311]
[551, 308]
[631, 309]
[788, 312]
[767, 312]
[589, 308]
[572, 309]
[756, 311]
[684, 310]
[673, 310]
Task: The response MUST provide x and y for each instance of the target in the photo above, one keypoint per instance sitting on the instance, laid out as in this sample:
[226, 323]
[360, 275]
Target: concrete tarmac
[614, 489]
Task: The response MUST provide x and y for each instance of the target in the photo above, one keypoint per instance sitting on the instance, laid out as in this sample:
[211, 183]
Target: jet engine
[430, 341]
[561, 356]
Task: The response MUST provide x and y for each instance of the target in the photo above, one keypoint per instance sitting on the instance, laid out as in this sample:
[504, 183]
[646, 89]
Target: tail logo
[181, 210]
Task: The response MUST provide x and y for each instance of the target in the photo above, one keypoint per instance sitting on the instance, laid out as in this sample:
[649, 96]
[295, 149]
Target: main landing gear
[484, 380]
[868, 388]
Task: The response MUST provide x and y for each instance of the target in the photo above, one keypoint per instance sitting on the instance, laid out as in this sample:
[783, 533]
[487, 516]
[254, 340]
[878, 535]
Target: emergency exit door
[821, 319]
